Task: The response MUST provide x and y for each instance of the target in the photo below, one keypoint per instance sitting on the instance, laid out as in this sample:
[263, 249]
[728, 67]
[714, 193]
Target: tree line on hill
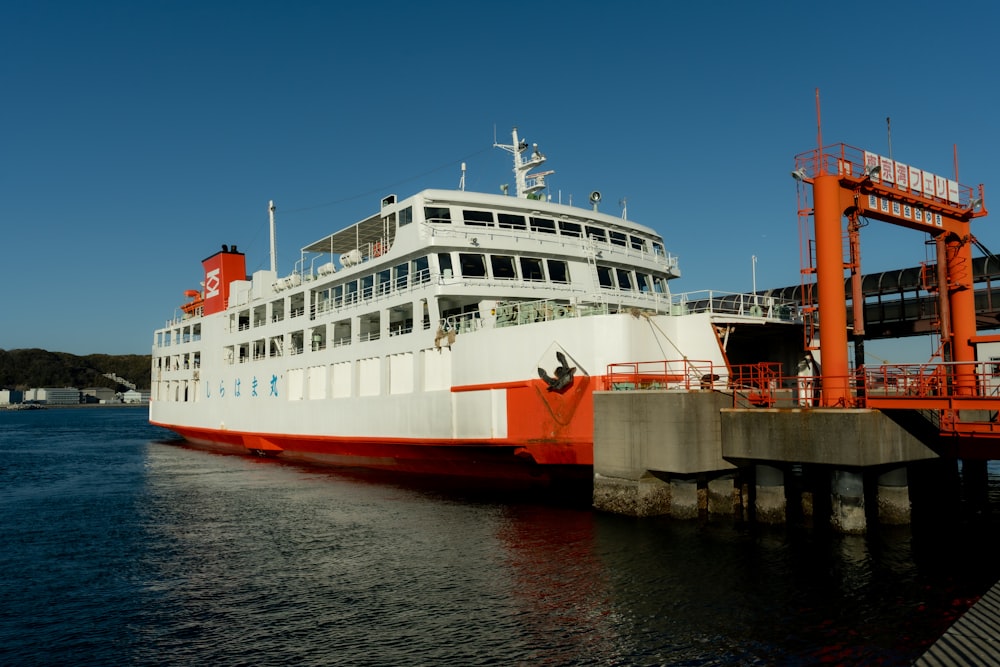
[31, 368]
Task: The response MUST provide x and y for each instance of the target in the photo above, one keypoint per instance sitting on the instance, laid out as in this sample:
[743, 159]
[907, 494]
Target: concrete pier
[651, 447]
[689, 454]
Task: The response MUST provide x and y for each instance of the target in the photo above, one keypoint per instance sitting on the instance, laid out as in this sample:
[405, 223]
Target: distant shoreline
[37, 406]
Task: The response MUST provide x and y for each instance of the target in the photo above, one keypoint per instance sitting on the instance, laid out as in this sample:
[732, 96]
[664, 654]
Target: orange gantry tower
[849, 183]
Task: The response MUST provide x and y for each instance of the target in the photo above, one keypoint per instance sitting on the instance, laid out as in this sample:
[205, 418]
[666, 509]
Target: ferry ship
[450, 333]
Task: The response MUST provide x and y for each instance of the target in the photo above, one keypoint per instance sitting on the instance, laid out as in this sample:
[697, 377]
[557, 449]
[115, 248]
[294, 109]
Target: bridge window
[543, 225]
[444, 264]
[406, 216]
[624, 279]
[503, 267]
[567, 228]
[597, 233]
[531, 269]
[642, 282]
[473, 266]
[511, 221]
[604, 277]
[637, 243]
[558, 271]
[478, 218]
[438, 214]
[617, 238]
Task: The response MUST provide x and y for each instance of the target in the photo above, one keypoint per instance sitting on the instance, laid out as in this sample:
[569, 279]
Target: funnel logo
[212, 283]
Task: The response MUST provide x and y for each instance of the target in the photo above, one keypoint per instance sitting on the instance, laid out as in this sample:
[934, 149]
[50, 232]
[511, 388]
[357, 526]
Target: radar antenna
[527, 186]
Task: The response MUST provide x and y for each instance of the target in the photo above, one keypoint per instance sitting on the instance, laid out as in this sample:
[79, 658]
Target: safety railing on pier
[958, 398]
[685, 374]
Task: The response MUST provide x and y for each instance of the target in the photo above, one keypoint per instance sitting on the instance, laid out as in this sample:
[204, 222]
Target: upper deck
[488, 221]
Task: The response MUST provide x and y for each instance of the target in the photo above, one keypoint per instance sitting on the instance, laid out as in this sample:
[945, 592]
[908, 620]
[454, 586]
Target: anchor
[563, 374]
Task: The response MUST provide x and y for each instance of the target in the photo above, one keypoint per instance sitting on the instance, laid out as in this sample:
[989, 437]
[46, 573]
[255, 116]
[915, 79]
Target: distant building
[54, 395]
[98, 395]
[9, 396]
[133, 396]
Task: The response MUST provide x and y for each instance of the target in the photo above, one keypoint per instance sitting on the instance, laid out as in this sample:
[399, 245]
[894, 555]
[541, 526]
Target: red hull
[501, 463]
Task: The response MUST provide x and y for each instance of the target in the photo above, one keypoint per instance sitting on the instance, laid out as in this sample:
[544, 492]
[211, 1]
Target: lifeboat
[195, 302]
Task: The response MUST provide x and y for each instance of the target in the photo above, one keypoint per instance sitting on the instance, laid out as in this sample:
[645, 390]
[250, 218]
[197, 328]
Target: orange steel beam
[828, 213]
[944, 309]
[962, 303]
[854, 243]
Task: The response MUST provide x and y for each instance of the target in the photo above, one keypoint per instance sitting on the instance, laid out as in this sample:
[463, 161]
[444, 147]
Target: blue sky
[140, 136]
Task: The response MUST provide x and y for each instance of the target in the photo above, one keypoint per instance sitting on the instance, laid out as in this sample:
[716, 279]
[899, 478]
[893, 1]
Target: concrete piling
[769, 500]
[847, 498]
[894, 498]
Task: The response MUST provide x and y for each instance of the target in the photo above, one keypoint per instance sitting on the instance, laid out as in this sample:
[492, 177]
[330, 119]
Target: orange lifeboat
[194, 304]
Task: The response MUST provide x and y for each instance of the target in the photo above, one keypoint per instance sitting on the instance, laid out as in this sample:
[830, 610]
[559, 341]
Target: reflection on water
[130, 550]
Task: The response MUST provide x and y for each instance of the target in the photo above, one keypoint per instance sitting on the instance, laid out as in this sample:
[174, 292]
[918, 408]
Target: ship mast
[528, 185]
[274, 257]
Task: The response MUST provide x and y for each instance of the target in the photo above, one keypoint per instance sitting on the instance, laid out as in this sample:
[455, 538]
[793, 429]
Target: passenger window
[385, 281]
[421, 270]
[402, 271]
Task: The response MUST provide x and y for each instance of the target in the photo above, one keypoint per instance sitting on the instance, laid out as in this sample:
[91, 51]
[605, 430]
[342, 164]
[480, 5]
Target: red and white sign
[902, 176]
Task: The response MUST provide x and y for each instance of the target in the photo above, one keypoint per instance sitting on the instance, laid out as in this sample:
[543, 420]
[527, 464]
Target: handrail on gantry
[852, 162]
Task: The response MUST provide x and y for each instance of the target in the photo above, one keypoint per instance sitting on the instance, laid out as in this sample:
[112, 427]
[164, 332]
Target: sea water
[123, 546]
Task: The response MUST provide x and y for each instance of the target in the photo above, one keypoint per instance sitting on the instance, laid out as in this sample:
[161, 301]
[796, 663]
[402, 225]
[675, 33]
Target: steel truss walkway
[898, 303]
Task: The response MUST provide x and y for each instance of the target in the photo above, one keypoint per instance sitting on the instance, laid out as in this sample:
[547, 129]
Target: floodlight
[872, 170]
